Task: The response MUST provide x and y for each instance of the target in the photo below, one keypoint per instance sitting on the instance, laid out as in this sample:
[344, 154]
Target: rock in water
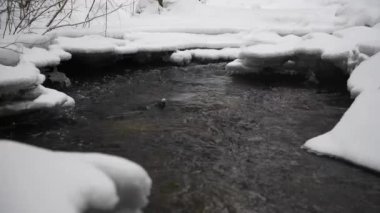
[58, 79]
[161, 104]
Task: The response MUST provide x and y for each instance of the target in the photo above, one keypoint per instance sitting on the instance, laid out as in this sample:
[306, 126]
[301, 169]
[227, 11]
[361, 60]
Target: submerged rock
[57, 79]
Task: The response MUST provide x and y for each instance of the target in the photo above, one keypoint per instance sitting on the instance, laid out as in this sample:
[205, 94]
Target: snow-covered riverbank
[257, 36]
[199, 31]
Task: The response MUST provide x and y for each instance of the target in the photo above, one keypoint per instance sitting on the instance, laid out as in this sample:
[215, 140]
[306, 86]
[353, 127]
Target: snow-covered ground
[20, 84]
[344, 48]
[365, 77]
[253, 34]
[38, 180]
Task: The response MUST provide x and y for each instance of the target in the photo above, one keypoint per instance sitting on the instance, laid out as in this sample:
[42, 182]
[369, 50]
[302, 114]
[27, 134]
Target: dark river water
[222, 144]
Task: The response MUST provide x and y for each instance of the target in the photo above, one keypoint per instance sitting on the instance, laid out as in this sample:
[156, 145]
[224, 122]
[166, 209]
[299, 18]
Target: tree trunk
[160, 2]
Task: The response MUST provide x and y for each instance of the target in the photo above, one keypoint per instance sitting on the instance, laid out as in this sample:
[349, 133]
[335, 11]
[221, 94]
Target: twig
[88, 13]
[78, 23]
[56, 13]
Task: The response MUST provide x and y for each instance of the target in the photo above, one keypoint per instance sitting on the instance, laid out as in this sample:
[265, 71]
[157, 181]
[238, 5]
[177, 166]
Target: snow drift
[21, 90]
[37, 180]
[297, 53]
[365, 77]
[356, 137]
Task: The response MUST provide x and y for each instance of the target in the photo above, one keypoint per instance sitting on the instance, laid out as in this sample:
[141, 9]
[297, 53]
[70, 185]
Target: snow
[218, 16]
[363, 12]
[59, 52]
[49, 98]
[271, 4]
[367, 39]
[21, 90]
[147, 42]
[341, 52]
[263, 37]
[27, 40]
[40, 57]
[175, 41]
[181, 57]
[39, 180]
[9, 57]
[131, 180]
[215, 47]
[34, 49]
[20, 79]
[365, 77]
[35, 99]
[94, 44]
[23, 76]
[356, 137]
[186, 56]
[193, 17]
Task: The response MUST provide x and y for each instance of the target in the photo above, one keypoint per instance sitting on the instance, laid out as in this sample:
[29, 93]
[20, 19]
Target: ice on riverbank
[367, 39]
[365, 77]
[95, 44]
[41, 57]
[148, 42]
[345, 49]
[39, 180]
[21, 90]
[36, 98]
[298, 53]
[204, 55]
[20, 78]
[356, 137]
[23, 76]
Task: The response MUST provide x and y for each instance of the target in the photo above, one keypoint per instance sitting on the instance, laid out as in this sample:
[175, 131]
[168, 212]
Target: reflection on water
[221, 144]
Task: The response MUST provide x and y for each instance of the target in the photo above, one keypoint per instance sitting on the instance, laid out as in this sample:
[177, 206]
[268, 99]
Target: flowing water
[220, 144]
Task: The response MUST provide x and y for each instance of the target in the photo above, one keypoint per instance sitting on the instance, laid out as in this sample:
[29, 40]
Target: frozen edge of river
[355, 137]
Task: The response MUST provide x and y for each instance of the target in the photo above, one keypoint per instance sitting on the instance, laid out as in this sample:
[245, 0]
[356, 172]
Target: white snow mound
[21, 90]
[23, 76]
[314, 46]
[186, 56]
[37, 180]
[367, 39]
[9, 57]
[132, 181]
[356, 137]
[365, 77]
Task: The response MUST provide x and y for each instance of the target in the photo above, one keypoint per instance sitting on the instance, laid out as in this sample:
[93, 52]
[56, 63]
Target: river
[220, 144]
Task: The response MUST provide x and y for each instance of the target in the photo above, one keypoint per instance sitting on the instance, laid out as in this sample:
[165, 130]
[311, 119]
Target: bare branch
[88, 13]
[56, 13]
[78, 23]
